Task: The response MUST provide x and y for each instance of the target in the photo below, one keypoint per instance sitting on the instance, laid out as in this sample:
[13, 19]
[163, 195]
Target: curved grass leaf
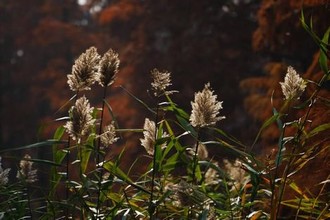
[49, 142]
[318, 129]
[229, 137]
[138, 100]
[267, 123]
[116, 171]
[324, 57]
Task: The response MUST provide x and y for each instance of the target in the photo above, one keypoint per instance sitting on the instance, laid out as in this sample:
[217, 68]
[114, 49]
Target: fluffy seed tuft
[293, 85]
[108, 136]
[150, 132]
[81, 119]
[108, 68]
[26, 172]
[84, 70]
[205, 108]
[3, 174]
[161, 80]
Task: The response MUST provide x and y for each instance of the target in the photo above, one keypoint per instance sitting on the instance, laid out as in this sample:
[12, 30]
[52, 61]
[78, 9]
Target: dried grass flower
[211, 176]
[187, 194]
[108, 136]
[293, 85]
[205, 108]
[150, 133]
[26, 172]
[236, 173]
[84, 70]
[108, 68]
[161, 80]
[81, 119]
[202, 152]
[3, 174]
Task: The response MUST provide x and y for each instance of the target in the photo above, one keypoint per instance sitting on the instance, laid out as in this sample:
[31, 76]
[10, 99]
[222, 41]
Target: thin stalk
[297, 138]
[67, 167]
[298, 209]
[273, 180]
[98, 157]
[151, 208]
[195, 161]
[29, 200]
[317, 198]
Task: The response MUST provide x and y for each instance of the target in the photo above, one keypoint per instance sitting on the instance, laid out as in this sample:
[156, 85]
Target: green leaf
[204, 214]
[323, 59]
[186, 125]
[36, 145]
[318, 129]
[113, 117]
[116, 171]
[171, 163]
[85, 153]
[228, 147]
[47, 162]
[58, 157]
[281, 141]
[267, 123]
[229, 137]
[138, 100]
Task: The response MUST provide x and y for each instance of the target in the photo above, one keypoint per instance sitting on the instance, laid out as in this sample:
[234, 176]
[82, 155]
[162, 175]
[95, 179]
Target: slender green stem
[151, 208]
[98, 153]
[297, 138]
[273, 179]
[29, 199]
[67, 167]
[195, 160]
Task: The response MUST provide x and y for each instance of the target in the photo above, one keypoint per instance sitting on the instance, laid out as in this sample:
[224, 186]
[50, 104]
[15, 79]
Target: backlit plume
[293, 85]
[205, 108]
[108, 68]
[161, 80]
[26, 172]
[150, 132]
[84, 70]
[81, 119]
[109, 135]
[3, 175]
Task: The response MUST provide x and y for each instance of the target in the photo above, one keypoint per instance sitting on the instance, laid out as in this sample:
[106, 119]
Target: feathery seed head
[205, 108]
[236, 173]
[26, 172]
[109, 135]
[84, 70]
[81, 119]
[202, 152]
[149, 133]
[211, 176]
[3, 174]
[108, 68]
[161, 80]
[293, 85]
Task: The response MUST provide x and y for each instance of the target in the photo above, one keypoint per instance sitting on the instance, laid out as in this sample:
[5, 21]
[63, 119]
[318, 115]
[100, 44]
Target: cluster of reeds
[182, 179]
